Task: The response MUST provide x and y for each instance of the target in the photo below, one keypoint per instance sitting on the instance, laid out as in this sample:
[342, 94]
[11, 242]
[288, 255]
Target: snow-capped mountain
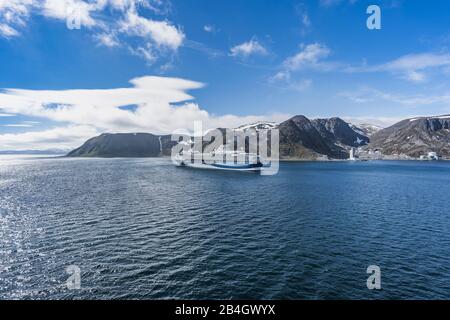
[415, 137]
[366, 129]
[303, 138]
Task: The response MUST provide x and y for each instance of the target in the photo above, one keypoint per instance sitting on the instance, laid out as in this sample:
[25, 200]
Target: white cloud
[19, 125]
[284, 80]
[412, 67]
[201, 47]
[15, 10]
[162, 105]
[246, 49]
[209, 28]
[111, 22]
[55, 138]
[122, 5]
[162, 33]
[146, 53]
[107, 39]
[70, 9]
[366, 95]
[309, 56]
[7, 31]
[13, 14]
[281, 76]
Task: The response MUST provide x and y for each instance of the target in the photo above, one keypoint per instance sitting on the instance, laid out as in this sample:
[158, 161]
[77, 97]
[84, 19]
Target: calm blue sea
[144, 229]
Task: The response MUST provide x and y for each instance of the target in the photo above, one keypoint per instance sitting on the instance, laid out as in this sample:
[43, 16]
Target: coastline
[387, 158]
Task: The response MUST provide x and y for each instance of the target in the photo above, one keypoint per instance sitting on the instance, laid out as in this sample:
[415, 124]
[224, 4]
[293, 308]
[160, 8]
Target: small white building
[430, 156]
[433, 156]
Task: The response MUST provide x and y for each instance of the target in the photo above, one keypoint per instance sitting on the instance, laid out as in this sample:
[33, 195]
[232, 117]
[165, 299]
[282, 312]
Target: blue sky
[223, 62]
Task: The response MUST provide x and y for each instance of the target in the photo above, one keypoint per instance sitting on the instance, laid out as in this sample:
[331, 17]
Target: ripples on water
[142, 228]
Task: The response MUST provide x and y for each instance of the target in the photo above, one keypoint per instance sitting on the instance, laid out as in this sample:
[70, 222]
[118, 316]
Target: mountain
[339, 132]
[300, 138]
[125, 145]
[414, 137]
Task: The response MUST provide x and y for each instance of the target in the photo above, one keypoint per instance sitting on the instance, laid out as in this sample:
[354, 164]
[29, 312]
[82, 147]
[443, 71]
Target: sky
[72, 69]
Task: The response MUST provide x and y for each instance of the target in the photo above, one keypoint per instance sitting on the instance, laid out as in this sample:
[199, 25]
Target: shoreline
[363, 160]
[41, 156]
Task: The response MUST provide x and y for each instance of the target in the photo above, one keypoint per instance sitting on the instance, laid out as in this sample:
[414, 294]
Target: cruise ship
[226, 160]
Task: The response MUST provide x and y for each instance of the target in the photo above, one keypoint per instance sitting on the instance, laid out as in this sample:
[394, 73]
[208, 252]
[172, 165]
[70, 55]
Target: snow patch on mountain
[260, 125]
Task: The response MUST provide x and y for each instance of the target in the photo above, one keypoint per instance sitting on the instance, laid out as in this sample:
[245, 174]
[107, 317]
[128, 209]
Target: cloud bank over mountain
[151, 104]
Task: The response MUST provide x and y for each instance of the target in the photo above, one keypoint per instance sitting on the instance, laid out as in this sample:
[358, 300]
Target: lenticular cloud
[151, 104]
